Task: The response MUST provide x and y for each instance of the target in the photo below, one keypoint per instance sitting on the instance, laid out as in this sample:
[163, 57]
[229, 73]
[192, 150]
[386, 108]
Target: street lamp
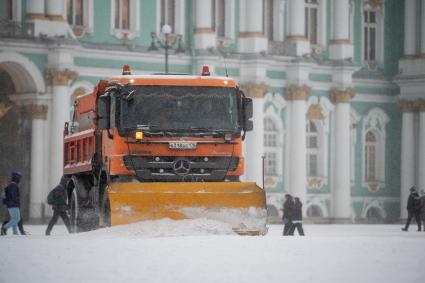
[166, 41]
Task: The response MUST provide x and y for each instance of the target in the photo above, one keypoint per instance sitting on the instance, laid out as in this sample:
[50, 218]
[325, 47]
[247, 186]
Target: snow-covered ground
[202, 251]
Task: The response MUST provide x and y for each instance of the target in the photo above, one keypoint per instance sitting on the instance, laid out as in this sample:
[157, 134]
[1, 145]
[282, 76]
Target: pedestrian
[413, 209]
[20, 227]
[12, 202]
[297, 218]
[422, 207]
[288, 206]
[58, 200]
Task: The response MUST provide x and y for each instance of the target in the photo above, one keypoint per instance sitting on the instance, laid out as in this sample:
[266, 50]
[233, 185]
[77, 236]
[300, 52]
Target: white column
[296, 27]
[296, 96]
[59, 80]
[251, 35]
[254, 145]
[296, 16]
[423, 28]
[204, 36]
[278, 18]
[39, 116]
[407, 174]
[342, 191]
[410, 27]
[55, 9]
[35, 9]
[341, 47]
[421, 153]
[254, 142]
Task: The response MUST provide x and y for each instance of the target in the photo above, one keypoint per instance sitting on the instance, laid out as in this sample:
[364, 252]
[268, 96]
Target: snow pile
[252, 218]
[168, 228]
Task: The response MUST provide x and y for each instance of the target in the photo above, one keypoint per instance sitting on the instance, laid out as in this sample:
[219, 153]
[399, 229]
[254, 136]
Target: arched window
[370, 157]
[312, 143]
[270, 147]
[373, 139]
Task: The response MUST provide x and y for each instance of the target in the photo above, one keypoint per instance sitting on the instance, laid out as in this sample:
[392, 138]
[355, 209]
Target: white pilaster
[407, 174]
[251, 36]
[296, 27]
[341, 190]
[55, 9]
[409, 27]
[340, 47]
[38, 155]
[35, 9]
[421, 153]
[204, 36]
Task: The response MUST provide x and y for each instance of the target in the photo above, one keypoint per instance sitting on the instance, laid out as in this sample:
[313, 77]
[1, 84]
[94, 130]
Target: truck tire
[83, 214]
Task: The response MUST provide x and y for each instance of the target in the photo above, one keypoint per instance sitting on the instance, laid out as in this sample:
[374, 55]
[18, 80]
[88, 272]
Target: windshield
[181, 108]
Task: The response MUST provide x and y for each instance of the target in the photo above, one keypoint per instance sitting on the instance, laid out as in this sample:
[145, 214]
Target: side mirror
[248, 111]
[103, 110]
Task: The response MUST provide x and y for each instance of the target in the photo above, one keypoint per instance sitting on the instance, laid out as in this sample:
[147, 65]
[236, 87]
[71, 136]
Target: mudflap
[239, 204]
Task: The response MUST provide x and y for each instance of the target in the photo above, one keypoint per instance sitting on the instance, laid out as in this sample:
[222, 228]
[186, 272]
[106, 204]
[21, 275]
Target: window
[10, 10]
[373, 139]
[370, 157]
[369, 35]
[311, 20]
[268, 18]
[219, 17]
[122, 15]
[271, 147]
[75, 12]
[312, 143]
[168, 13]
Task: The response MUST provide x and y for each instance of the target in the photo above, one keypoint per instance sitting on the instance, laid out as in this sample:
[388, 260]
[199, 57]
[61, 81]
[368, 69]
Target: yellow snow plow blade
[242, 205]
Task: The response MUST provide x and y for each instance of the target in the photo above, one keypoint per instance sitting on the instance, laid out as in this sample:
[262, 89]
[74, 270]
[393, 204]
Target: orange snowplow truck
[161, 146]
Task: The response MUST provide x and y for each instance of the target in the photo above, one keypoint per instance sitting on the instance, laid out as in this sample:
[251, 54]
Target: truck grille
[172, 168]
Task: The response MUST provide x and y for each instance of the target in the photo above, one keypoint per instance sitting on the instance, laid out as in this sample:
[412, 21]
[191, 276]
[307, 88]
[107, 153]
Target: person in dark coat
[422, 208]
[288, 206]
[59, 206]
[413, 209]
[297, 218]
[12, 202]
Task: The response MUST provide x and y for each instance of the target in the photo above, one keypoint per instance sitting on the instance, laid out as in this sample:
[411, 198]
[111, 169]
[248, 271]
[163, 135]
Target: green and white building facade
[338, 89]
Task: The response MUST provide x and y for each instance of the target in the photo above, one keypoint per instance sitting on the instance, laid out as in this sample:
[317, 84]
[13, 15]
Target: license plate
[182, 145]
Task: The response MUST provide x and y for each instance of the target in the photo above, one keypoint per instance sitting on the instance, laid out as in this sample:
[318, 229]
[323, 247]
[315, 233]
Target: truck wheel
[83, 214]
[75, 219]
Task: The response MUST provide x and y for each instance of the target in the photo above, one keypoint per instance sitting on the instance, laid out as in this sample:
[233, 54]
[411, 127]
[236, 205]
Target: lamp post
[166, 41]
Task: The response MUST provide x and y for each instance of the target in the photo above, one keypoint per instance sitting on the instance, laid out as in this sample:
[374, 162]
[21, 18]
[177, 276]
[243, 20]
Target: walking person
[297, 218]
[20, 227]
[12, 202]
[413, 209]
[288, 207]
[422, 209]
[58, 200]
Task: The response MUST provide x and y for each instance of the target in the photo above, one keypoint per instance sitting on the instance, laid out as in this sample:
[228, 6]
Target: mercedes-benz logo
[181, 166]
